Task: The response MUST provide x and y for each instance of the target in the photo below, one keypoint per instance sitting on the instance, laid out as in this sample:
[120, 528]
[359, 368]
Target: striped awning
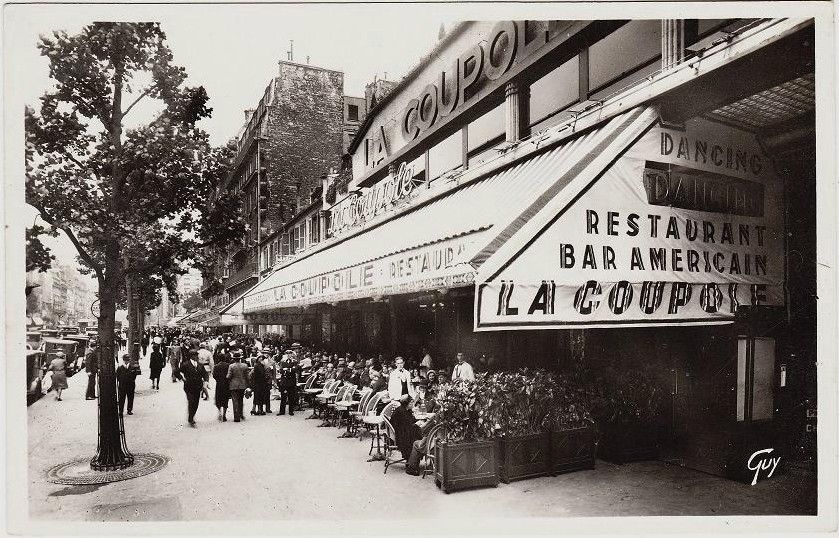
[441, 239]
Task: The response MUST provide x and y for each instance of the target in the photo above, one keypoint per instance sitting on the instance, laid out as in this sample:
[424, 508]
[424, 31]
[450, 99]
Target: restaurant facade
[595, 194]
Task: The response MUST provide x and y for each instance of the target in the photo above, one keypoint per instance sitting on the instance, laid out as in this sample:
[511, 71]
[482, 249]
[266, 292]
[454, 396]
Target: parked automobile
[34, 374]
[33, 339]
[49, 333]
[76, 362]
[52, 345]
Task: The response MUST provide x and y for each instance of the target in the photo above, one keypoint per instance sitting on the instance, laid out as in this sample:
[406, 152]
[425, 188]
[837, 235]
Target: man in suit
[237, 373]
[91, 366]
[287, 378]
[192, 373]
[126, 384]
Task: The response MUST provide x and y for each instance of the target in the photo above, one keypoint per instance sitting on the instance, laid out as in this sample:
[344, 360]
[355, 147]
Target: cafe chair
[369, 409]
[376, 420]
[344, 395]
[429, 460]
[323, 394]
[390, 445]
[327, 401]
[346, 409]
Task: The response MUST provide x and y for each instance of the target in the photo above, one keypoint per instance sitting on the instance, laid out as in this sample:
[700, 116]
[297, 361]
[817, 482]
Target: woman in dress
[58, 367]
[259, 386]
[156, 364]
[222, 395]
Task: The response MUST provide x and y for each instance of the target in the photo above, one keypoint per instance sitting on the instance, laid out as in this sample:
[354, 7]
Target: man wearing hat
[91, 366]
[288, 374]
[237, 373]
[126, 384]
[192, 373]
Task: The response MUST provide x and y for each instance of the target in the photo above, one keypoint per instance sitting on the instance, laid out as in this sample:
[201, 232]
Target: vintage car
[50, 346]
[33, 339]
[34, 374]
[76, 362]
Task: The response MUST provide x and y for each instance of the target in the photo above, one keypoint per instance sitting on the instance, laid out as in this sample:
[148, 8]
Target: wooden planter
[524, 456]
[572, 450]
[626, 443]
[465, 465]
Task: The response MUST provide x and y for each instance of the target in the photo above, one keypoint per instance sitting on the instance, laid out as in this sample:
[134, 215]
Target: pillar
[517, 98]
[672, 42]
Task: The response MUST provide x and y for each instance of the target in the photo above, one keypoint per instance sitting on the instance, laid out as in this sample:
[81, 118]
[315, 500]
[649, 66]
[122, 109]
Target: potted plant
[627, 408]
[518, 403]
[572, 435]
[466, 455]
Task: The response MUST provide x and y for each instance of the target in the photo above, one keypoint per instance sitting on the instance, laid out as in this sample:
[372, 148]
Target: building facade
[290, 139]
[589, 194]
[60, 296]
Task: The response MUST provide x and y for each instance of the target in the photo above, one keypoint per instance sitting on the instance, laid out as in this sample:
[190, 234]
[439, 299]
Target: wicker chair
[390, 444]
[369, 409]
[429, 460]
[377, 420]
[345, 409]
[345, 395]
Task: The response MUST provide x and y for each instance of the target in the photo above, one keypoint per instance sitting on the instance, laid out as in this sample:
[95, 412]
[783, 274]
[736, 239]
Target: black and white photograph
[420, 268]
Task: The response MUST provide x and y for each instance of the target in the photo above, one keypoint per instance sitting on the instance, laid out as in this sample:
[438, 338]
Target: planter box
[524, 456]
[465, 465]
[623, 444]
[572, 450]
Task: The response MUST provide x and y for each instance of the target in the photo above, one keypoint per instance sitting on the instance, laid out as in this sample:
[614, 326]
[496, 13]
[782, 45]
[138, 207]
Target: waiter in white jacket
[463, 370]
[399, 382]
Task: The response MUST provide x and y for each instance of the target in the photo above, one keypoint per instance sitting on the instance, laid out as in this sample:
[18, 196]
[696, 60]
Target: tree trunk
[111, 451]
[134, 324]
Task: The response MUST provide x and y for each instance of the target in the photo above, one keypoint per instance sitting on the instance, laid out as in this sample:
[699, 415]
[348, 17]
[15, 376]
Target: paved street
[286, 468]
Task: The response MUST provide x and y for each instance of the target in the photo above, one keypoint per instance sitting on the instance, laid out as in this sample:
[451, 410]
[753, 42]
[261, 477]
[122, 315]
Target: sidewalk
[271, 467]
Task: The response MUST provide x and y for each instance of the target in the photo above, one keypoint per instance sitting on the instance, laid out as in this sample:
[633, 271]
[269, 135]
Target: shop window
[555, 91]
[487, 128]
[446, 156]
[755, 378]
[631, 46]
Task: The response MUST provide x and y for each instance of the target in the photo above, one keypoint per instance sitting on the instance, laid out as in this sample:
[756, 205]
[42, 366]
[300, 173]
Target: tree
[192, 301]
[127, 198]
[38, 256]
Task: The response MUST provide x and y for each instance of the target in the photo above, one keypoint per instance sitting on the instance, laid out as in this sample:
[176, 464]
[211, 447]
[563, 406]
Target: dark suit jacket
[406, 429]
[126, 375]
[192, 376]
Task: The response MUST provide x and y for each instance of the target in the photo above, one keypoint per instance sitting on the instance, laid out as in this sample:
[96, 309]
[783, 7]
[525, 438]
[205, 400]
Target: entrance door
[703, 365]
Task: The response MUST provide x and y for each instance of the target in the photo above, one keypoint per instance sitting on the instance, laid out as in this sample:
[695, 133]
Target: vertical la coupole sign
[684, 227]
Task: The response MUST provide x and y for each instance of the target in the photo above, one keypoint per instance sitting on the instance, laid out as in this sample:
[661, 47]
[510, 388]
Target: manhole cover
[78, 472]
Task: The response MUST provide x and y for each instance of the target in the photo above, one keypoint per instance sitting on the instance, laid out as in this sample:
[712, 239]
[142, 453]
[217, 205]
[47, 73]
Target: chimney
[248, 114]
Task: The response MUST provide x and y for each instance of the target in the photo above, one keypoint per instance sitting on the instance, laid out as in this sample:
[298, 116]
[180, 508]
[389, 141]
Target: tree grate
[78, 472]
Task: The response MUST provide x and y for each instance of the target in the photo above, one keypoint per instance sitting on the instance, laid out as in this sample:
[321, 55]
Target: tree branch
[73, 239]
[137, 100]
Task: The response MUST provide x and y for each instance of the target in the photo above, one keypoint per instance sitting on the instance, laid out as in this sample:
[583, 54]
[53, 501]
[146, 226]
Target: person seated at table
[425, 399]
[411, 439]
[330, 373]
[419, 447]
[377, 382]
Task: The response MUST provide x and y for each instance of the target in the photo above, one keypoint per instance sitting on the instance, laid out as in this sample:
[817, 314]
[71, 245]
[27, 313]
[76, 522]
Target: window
[286, 244]
[352, 112]
[631, 46]
[487, 128]
[300, 235]
[446, 156]
[314, 229]
[555, 91]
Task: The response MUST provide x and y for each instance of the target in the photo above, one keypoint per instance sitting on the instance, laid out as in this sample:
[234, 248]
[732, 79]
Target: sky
[233, 50]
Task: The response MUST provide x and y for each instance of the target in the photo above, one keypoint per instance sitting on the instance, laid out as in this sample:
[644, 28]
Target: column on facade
[672, 42]
[516, 114]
